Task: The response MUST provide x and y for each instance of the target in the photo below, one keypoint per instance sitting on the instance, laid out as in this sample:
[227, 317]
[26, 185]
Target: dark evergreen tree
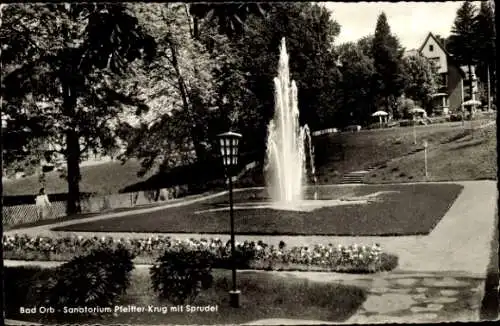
[486, 44]
[463, 40]
[388, 62]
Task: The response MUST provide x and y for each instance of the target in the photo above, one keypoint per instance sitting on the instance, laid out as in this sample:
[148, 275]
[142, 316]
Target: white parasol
[380, 114]
[471, 102]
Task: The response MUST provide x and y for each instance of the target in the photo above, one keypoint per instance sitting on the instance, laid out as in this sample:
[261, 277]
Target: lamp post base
[234, 298]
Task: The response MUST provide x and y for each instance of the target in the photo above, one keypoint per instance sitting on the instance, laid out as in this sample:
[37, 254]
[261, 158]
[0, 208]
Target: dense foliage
[59, 79]
[421, 80]
[19, 284]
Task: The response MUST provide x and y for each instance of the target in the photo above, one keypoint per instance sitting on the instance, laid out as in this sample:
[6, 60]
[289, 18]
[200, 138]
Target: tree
[366, 45]
[388, 62]
[486, 43]
[357, 78]
[72, 56]
[230, 17]
[421, 79]
[181, 87]
[309, 31]
[463, 39]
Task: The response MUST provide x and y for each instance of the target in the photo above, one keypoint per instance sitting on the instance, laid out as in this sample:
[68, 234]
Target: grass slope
[412, 209]
[462, 157]
[104, 178]
[346, 152]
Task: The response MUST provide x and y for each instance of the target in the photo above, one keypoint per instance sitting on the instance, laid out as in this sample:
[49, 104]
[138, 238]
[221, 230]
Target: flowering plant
[248, 254]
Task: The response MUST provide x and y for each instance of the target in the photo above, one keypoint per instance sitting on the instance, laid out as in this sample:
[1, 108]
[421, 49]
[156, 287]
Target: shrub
[244, 254]
[179, 276]
[21, 283]
[94, 280]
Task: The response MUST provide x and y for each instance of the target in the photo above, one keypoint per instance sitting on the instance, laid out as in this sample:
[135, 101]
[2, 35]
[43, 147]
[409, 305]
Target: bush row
[100, 278]
[94, 280]
[248, 254]
[179, 274]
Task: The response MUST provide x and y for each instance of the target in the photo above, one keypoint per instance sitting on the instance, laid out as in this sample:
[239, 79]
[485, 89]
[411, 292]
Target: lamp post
[229, 142]
[414, 129]
[425, 158]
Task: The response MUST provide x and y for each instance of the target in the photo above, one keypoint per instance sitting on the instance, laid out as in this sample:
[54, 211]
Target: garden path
[459, 243]
[436, 270]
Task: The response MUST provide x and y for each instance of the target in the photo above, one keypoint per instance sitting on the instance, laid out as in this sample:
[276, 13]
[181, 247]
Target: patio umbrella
[471, 102]
[380, 114]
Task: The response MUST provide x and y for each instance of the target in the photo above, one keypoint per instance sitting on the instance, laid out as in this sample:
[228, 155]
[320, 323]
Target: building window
[431, 47]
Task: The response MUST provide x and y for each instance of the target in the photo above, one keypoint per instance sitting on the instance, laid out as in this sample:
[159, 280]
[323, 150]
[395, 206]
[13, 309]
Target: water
[286, 150]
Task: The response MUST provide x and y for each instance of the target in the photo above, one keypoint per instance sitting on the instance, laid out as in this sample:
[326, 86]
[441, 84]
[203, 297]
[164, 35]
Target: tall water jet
[286, 155]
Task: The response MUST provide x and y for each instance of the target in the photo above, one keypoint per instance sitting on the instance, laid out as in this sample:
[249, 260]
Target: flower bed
[249, 254]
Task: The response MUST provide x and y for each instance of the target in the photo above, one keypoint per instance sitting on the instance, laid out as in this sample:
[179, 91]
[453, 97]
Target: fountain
[286, 155]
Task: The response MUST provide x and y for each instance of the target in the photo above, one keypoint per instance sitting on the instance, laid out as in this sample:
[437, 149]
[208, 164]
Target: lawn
[104, 178]
[89, 215]
[264, 295]
[408, 210]
[335, 155]
[341, 153]
[462, 157]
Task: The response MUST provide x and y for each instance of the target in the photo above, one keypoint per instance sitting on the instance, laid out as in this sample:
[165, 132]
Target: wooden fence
[23, 214]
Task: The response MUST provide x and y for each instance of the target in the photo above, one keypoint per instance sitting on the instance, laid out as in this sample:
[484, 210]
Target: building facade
[453, 82]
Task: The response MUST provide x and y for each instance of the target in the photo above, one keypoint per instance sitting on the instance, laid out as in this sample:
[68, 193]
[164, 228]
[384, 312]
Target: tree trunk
[73, 164]
[72, 154]
[489, 87]
[471, 91]
[196, 29]
[186, 103]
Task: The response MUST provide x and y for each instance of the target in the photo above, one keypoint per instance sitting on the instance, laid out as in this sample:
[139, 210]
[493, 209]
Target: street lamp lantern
[229, 143]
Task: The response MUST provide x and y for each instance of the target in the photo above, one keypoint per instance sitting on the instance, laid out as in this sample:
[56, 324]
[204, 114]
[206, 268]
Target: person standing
[42, 204]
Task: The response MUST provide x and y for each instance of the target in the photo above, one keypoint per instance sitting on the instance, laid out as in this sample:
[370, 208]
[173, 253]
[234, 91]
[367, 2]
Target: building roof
[437, 42]
[449, 56]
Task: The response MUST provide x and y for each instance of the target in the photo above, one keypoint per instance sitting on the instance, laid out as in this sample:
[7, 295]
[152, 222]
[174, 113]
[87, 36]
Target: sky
[409, 21]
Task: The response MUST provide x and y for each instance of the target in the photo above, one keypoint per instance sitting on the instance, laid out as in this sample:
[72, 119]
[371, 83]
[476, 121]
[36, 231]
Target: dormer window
[431, 47]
